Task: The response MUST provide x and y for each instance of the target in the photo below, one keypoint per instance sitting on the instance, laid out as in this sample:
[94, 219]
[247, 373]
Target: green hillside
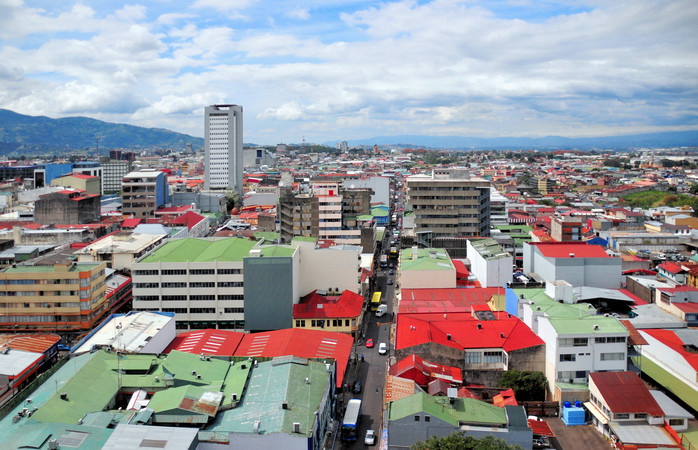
[20, 134]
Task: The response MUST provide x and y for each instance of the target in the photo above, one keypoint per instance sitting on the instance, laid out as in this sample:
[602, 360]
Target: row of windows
[193, 284]
[155, 298]
[202, 310]
[170, 272]
[616, 356]
[300, 323]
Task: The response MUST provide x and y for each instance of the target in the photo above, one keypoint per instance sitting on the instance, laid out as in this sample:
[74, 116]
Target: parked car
[370, 438]
[383, 348]
[369, 343]
[356, 388]
[391, 272]
[390, 281]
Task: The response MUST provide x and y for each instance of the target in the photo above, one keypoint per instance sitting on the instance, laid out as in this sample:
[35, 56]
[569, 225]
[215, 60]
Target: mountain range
[648, 140]
[20, 134]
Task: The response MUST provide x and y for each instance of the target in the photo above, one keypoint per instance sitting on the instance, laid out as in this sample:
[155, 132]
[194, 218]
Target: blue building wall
[53, 171]
[162, 192]
[268, 293]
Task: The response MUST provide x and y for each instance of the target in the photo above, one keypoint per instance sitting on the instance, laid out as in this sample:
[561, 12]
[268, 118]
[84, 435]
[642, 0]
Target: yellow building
[60, 298]
[321, 312]
[87, 183]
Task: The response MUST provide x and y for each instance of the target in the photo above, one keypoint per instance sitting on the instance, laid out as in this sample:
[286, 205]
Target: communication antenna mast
[303, 145]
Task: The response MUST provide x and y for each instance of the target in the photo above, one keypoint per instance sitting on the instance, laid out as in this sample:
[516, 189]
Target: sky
[330, 70]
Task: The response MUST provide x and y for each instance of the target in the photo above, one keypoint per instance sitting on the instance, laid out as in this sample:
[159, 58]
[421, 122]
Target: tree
[459, 441]
[527, 385]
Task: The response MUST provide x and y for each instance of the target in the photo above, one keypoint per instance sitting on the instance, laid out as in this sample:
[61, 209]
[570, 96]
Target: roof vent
[448, 336]
[257, 423]
[198, 377]
[307, 380]
[296, 427]
[193, 372]
[571, 255]
[157, 379]
[234, 397]
[501, 335]
[284, 405]
[64, 396]
[596, 328]
[537, 308]
[479, 326]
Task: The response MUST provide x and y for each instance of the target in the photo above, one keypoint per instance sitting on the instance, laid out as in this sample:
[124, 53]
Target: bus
[352, 416]
[375, 301]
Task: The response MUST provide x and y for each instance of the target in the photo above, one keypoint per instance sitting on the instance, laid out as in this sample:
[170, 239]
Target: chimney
[479, 326]
[571, 255]
[448, 336]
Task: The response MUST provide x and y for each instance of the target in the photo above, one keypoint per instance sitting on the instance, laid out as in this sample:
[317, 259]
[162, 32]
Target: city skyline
[339, 70]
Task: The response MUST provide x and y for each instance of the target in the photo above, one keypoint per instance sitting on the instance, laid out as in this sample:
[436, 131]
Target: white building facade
[223, 155]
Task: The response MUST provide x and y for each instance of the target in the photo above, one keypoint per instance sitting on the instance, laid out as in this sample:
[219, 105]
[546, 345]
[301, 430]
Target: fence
[29, 388]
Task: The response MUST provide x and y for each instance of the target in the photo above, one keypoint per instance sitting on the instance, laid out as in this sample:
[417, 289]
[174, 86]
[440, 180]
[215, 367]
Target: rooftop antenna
[303, 145]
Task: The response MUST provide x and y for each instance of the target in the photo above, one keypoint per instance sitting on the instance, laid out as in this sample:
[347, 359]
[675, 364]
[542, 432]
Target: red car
[369, 343]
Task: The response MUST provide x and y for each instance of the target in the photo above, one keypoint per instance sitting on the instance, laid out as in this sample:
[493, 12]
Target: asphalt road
[371, 372]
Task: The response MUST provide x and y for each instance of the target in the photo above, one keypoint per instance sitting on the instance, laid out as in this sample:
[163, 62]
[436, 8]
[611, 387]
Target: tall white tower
[223, 147]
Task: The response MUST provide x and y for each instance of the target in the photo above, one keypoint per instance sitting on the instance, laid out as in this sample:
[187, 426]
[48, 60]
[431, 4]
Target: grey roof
[671, 408]
[641, 434]
[128, 437]
[586, 293]
[652, 316]
[15, 362]
[150, 228]
[688, 336]
[649, 281]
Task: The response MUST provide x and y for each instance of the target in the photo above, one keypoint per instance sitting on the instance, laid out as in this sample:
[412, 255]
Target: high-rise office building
[223, 147]
[449, 203]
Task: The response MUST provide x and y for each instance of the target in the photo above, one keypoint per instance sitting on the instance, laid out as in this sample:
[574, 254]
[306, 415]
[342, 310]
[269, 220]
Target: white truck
[382, 309]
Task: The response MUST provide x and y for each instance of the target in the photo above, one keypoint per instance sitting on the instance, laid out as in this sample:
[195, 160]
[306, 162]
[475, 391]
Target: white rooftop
[129, 333]
[14, 362]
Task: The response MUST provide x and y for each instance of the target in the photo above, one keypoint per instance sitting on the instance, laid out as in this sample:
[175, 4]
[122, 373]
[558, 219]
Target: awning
[595, 412]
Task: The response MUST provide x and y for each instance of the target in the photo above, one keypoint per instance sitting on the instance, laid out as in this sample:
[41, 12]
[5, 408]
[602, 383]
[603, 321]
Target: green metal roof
[201, 250]
[489, 248]
[427, 259]
[268, 235]
[304, 239]
[273, 382]
[277, 250]
[463, 411]
[572, 319]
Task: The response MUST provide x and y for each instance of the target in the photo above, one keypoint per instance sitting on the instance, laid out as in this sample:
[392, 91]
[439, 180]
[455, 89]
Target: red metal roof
[37, 343]
[638, 300]
[671, 267]
[130, 223]
[635, 337]
[506, 331]
[563, 250]
[625, 392]
[316, 306]
[302, 343]
[540, 428]
[444, 299]
[505, 397]
[423, 372]
[208, 341]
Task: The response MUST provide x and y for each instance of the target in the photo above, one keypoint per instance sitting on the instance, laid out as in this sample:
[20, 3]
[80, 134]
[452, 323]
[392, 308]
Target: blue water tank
[567, 404]
[577, 404]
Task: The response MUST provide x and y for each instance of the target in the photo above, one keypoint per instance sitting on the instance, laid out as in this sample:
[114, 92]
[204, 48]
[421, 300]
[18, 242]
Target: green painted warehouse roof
[427, 259]
[463, 411]
[201, 250]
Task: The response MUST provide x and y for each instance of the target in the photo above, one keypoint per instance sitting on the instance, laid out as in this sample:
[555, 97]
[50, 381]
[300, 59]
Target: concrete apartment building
[577, 339]
[144, 192]
[67, 207]
[120, 250]
[113, 175]
[60, 298]
[223, 154]
[296, 215]
[566, 228]
[448, 204]
[200, 280]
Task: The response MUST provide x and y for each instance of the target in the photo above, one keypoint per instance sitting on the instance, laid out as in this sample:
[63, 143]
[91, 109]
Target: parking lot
[577, 437]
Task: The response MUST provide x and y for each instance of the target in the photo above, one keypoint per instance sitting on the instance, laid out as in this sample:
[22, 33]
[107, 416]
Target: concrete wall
[325, 268]
[418, 279]
[597, 272]
[162, 339]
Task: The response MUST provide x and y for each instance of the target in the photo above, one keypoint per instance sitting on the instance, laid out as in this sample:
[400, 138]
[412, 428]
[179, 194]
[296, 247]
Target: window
[202, 310]
[416, 418]
[230, 284]
[231, 297]
[674, 422]
[492, 357]
[234, 310]
[201, 284]
[229, 271]
[621, 416]
[202, 297]
[201, 272]
[427, 418]
[574, 342]
[612, 356]
[473, 358]
[145, 272]
[568, 357]
[174, 272]
[640, 415]
[174, 285]
[166, 298]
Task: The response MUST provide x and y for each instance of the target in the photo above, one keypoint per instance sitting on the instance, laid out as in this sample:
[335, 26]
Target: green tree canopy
[527, 385]
[459, 441]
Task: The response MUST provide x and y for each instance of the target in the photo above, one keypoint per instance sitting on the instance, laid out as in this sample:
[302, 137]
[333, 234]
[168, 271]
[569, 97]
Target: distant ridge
[666, 139]
[20, 134]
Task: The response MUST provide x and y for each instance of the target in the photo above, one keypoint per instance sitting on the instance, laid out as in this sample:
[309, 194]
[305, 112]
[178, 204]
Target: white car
[370, 438]
[382, 348]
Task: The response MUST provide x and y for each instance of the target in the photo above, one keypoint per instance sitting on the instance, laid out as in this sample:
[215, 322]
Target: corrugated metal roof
[625, 392]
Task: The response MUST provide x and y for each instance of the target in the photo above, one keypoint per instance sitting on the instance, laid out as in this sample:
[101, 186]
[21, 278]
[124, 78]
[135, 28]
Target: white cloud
[299, 13]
